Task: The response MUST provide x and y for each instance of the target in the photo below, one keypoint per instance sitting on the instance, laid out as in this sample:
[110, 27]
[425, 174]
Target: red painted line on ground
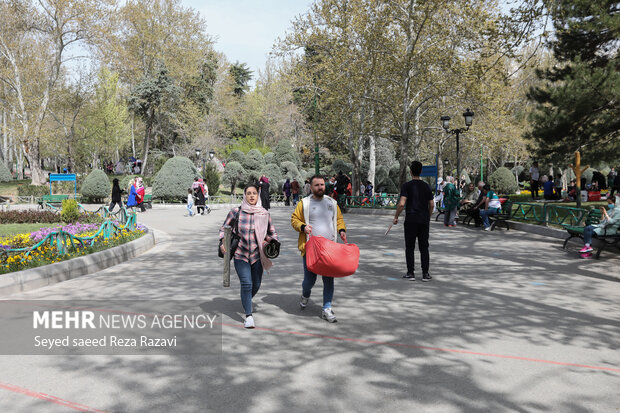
[49, 398]
[445, 350]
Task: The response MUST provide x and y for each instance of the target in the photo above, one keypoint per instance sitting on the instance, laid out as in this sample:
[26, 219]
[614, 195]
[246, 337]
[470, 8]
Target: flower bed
[47, 254]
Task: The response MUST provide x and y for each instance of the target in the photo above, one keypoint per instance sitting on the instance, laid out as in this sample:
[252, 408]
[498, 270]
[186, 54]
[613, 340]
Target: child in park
[190, 202]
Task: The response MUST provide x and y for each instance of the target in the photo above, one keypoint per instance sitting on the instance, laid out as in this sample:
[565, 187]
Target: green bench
[607, 240]
[51, 200]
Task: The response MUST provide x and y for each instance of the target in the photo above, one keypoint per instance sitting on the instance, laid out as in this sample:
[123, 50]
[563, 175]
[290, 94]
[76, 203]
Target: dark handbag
[234, 237]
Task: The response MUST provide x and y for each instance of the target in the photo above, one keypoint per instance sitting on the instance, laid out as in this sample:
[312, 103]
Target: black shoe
[409, 276]
[426, 277]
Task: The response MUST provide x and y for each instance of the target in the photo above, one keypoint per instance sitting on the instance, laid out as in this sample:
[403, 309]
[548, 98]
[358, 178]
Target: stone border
[32, 278]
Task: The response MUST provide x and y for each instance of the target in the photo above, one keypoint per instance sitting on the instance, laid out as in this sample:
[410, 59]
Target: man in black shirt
[416, 198]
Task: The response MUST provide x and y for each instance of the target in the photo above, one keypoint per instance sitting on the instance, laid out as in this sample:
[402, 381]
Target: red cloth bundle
[328, 258]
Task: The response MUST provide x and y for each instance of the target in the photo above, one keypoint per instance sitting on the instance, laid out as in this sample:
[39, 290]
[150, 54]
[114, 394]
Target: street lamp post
[469, 117]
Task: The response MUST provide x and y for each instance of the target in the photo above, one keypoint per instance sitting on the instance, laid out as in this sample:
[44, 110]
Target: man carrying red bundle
[318, 215]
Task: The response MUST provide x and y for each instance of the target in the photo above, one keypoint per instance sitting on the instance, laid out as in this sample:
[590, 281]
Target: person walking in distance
[416, 198]
[534, 178]
[318, 215]
[116, 195]
[295, 191]
[255, 231]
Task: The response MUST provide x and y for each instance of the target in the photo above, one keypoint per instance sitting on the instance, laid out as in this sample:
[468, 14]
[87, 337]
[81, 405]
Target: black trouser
[534, 189]
[142, 207]
[200, 209]
[419, 231]
[113, 203]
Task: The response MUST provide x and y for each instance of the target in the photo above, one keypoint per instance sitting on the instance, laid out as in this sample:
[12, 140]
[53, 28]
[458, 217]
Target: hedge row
[31, 217]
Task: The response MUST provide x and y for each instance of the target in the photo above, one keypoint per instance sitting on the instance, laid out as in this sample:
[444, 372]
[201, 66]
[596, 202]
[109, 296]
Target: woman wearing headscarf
[286, 188]
[255, 230]
[140, 191]
[116, 195]
[132, 201]
[265, 198]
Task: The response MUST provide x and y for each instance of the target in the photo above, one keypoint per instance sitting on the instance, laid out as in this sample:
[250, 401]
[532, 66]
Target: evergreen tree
[578, 104]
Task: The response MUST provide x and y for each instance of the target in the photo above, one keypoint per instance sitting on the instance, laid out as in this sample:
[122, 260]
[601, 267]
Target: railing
[63, 241]
[383, 201]
[544, 214]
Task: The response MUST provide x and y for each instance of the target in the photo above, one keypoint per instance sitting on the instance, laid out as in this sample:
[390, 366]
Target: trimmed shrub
[269, 158]
[253, 161]
[174, 178]
[503, 181]
[272, 171]
[5, 174]
[234, 174]
[32, 190]
[28, 217]
[285, 152]
[70, 212]
[236, 156]
[96, 186]
[289, 170]
[212, 178]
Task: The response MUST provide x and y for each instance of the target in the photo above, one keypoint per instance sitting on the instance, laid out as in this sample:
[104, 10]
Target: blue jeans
[295, 199]
[484, 213]
[587, 234]
[328, 286]
[250, 277]
[189, 209]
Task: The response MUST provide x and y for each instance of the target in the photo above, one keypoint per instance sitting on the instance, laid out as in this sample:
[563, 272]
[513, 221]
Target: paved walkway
[511, 322]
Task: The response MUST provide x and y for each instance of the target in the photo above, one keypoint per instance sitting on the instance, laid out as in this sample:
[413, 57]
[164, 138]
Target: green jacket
[451, 196]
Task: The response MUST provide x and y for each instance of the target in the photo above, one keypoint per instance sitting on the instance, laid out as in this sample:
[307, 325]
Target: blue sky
[245, 30]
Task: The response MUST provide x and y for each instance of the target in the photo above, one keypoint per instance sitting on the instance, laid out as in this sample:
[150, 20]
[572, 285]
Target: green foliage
[269, 158]
[383, 181]
[32, 190]
[253, 161]
[272, 171]
[159, 162]
[578, 104]
[503, 181]
[241, 75]
[96, 186]
[340, 165]
[199, 88]
[212, 178]
[245, 144]
[174, 178]
[236, 156]
[284, 152]
[289, 170]
[234, 174]
[70, 212]
[5, 174]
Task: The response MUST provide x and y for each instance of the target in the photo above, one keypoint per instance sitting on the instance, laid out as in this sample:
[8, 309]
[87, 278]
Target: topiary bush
[234, 174]
[70, 212]
[96, 186]
[212, 178]
[5, 174]
[253, 161]
[236, 156]
[340, 165]
[272, 171]
[269, 158]
[289, 170]
[284, 152]
[32, 190]
[502, 181]
[174, 178]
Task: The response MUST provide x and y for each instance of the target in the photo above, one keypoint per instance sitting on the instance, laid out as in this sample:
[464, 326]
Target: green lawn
[11, 229]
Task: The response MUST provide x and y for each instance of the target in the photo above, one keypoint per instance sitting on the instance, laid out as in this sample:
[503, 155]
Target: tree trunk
[404, 144]
[372, 158]
[147, 139]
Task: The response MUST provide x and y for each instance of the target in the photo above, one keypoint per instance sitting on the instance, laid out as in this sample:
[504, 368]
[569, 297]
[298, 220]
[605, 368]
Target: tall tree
[241, 75]
[579, 101]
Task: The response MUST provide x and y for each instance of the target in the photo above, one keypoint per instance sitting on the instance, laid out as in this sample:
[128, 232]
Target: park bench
[51, 200]
[606, 240]
[148, 201]
[503, 217]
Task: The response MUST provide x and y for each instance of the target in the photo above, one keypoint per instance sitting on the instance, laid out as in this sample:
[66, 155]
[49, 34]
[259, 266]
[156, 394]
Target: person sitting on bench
[480, 203]
[608, 226]
[492, 206]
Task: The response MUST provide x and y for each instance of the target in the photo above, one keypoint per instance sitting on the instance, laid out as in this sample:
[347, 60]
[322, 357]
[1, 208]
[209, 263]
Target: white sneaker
[328, 315]
[249, 322]
[303, 303]
[488, 228]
